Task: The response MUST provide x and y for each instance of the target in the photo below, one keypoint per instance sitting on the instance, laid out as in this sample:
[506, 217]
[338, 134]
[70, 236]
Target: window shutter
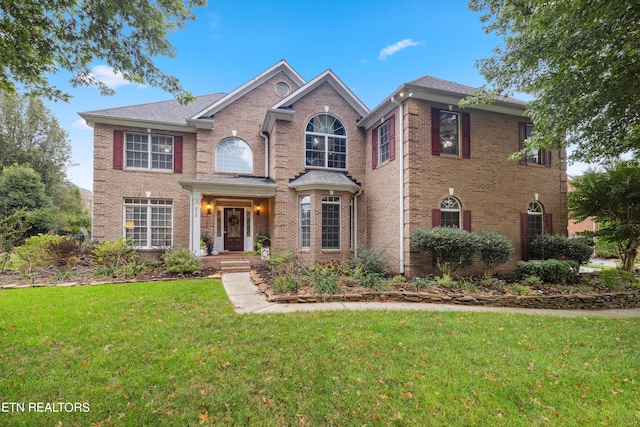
[466, 221]
[435, 132]
[392, 138]
[435, 217]
[118, 146]
[548, 223]
[466, 135]
[547, 158]
[374, 148]
[177, 154]
[523, 136]
[524, 236]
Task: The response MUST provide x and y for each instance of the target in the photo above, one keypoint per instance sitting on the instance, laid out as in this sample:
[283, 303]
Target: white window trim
[337, 200]
[141, 202]
[149, 152]
[300, 204]
[379, 130]
[215, 163]
[326, 137]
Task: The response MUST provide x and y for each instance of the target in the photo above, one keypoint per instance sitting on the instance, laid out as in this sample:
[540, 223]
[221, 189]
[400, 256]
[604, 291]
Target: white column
[194, 222]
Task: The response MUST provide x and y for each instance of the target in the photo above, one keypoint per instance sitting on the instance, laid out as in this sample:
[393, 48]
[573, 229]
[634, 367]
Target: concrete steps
[235, 266]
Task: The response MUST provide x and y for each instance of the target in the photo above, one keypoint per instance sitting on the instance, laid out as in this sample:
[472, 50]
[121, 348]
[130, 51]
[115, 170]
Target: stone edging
[612, 300]
[101, 282]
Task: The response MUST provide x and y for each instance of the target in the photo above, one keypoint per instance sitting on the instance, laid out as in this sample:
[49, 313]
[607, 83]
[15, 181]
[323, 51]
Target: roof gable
[281, 66]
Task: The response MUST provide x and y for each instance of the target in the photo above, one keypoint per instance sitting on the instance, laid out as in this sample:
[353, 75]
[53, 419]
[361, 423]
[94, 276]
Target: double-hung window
[536, 156]
[149, 222]
[331, 222]
[384, 142]
[146, 151]
[449, 133]
[326, 142]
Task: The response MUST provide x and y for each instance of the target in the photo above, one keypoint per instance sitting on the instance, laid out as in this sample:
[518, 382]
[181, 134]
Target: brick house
[307, 164]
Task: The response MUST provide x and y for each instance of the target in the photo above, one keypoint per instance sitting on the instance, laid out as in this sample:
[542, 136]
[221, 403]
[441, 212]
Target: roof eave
[91, 119]
[230, 188]
[273, 114]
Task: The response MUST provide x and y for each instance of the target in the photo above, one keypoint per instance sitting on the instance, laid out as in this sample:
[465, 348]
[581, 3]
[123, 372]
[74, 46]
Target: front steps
[235, 266]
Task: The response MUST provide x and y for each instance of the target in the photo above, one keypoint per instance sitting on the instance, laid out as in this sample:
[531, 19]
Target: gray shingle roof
[431, 82]
[324, 179]
[163, 111]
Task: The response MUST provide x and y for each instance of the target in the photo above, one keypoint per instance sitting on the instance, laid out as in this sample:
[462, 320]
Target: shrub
[64, 252]
[285, 283]
[549, 271]
[422, 283]
[451, 248]
[494, 249]
[117, 253]
[606, 249]
[519, 289]
[181, 261]
[616, 278]
[373, 261]
[373, 281]
[554, 246]
[277, 259]
[35, 250]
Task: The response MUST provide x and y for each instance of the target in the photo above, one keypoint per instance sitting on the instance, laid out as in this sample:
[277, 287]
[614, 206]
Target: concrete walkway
[246, 298]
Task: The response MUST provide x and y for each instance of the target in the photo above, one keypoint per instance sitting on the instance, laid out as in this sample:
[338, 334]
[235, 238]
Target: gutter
[401, 181]
[355, 224]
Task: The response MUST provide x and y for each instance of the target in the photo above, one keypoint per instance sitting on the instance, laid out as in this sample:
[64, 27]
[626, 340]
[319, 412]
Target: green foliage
[117, 253]
[606, 249]
[373, 281]
[532, 281]
[494, 249]
[279, 259]
[107, 271]
[61, 275]
[12, 231]
[423, 283]
[550, 271]
[521, 290]
[35, 250]
[452, 248]
[286, 283]
[611, 198]
[555, 246]
[44, 37]
[578, 61]
[616, 279]
[373, 261]
[64, 252]
[181, 261]
[70, 212]
[261, 239]
[135, 268]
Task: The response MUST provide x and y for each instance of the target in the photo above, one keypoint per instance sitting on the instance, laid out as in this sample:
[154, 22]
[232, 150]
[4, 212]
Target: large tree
[611, 198]
[40, 38]
[580, 60]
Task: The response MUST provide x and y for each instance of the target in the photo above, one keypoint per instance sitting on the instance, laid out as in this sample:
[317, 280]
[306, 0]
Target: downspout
[355, 223]
[401, 181]
[265, 135]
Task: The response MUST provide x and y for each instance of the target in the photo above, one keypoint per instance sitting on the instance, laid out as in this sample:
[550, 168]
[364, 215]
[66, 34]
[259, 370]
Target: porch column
[194, 222]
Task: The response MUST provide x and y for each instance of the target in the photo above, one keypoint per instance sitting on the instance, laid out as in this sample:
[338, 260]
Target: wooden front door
[233, 226]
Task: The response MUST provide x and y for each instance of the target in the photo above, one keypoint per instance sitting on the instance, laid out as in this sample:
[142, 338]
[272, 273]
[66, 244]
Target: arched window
[450, 212]
[326, 142]
[234, 155]
[535, 225]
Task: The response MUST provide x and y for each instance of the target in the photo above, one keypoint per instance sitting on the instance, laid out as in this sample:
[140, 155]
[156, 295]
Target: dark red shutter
[118, 146]
[548, 223]
[466, 221]
[435, 217]
[177, 154]
[435, 132]
[524, 236]
[547, 158]
[523, 136]
[466, 136]
[374, 148]
[392, 138]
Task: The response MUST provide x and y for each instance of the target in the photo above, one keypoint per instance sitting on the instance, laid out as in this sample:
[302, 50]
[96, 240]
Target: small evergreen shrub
[35, 251]
[554, 246]
[118, 253]
[551, 271]
[616, 278]
[181, 261]
[494, 249]
[373, 261]
[452, 248]
[521, 290]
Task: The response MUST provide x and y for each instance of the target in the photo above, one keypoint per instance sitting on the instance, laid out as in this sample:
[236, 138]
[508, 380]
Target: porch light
[258, 209]
[208, 208]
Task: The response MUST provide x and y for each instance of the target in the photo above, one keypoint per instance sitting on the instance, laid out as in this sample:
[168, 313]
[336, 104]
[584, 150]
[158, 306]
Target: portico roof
[232, 186]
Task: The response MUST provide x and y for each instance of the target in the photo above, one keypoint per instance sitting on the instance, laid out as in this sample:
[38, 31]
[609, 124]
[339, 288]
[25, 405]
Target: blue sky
[373, 47]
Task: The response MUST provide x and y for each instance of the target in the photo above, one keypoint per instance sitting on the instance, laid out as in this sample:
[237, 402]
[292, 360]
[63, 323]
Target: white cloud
[109, 76]
[80, 124]
[392, 49]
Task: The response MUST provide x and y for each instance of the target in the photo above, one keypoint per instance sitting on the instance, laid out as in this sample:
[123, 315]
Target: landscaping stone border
[100, 282]
[614, 300]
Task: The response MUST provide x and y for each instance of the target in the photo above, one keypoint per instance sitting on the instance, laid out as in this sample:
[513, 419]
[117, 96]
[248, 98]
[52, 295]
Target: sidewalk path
[246, 298]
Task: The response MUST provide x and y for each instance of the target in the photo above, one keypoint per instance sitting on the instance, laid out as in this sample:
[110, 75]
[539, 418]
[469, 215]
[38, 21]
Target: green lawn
[175, 353]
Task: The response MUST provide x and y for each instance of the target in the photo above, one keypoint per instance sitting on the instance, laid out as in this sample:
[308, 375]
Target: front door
[233, 226]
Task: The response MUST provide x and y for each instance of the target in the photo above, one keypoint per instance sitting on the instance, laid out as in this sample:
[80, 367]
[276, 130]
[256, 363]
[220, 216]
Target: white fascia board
[139, 123]
[273, 114]
[200, 123]
[374, 117]
[230, 189]
[250, 85]
[352, 188]
[329, 77]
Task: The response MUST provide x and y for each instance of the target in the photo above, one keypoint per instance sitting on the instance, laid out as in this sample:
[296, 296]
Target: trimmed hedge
[549, 271]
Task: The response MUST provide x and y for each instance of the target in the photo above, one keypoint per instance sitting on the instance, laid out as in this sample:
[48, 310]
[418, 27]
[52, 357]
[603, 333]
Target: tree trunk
[629, 260]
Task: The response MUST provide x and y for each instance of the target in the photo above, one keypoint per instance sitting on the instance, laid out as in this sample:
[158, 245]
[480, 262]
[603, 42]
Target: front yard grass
[175, 353]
